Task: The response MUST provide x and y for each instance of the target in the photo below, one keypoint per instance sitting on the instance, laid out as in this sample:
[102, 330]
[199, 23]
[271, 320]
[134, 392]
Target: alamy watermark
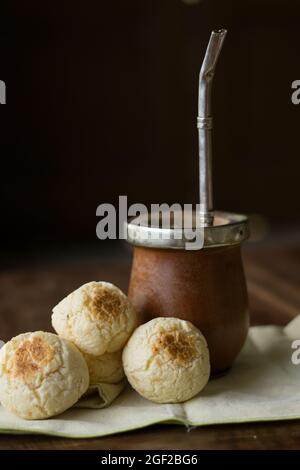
[295, 97]
[2, 92]
[296, 354]
[178, 222]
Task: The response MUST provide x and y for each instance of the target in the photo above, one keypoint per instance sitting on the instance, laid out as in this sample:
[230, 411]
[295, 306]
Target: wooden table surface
[29, 291]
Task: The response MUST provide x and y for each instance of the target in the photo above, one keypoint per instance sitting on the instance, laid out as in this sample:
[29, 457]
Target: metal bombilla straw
[205, 124]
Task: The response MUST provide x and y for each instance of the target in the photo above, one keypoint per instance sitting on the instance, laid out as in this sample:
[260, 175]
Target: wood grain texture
[28, 293]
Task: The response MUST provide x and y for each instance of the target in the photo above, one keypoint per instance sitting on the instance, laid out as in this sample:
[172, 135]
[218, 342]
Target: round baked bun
[107, 368]
[166, 360]
[41, 375]
[97, 317]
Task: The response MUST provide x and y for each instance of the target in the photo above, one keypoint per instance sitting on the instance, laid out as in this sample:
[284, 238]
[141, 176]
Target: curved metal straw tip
[218, 36]
[204, 123]
[212, 52]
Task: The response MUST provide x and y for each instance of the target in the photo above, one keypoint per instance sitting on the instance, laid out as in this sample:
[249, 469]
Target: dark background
[102, 101]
